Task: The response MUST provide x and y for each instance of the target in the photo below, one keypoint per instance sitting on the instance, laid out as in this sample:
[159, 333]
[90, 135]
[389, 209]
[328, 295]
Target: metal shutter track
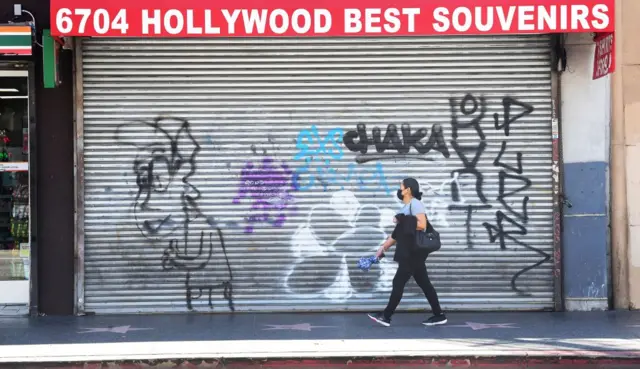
[248, 99]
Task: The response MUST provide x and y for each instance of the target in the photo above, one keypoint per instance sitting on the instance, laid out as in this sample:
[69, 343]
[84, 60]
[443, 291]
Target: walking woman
[411, 262]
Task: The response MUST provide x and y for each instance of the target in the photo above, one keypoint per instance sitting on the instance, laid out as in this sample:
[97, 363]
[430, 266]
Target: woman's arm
[417, 208]
[422, 222]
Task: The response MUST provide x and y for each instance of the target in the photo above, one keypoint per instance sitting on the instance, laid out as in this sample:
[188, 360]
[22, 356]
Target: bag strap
[429, 228]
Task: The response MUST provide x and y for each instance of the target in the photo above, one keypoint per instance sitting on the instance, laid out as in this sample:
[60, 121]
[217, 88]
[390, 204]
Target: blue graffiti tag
[319, 155]
[311, 145]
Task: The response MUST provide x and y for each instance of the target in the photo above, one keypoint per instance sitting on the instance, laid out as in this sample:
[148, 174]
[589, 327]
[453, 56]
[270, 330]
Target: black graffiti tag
[510, 228]
[166, 204]
[173, 258]
[400, 145]
[508, 119]
[468, 114]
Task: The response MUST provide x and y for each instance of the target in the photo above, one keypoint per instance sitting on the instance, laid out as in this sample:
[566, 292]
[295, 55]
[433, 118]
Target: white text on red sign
[330, 22]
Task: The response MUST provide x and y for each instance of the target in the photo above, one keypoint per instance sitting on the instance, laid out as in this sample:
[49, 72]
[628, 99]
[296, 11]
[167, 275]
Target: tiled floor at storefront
[14, 310]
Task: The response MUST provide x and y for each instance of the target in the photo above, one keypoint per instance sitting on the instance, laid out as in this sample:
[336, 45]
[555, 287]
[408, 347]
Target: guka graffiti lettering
[359, 141]
[269, 188]
[320, 155]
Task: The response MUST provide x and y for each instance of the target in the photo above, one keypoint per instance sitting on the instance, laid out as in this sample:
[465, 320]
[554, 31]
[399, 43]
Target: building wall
[55, 186]
[626, 158]
[585, 121]
[585, 137]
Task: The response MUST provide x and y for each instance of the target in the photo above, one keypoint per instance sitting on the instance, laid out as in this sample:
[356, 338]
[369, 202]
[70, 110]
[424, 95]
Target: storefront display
[14, 188]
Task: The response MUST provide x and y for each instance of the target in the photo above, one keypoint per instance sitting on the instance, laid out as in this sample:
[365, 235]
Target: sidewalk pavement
[604, 335]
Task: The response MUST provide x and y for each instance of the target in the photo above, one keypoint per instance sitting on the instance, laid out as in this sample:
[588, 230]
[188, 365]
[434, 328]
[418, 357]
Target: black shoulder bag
[427, 241]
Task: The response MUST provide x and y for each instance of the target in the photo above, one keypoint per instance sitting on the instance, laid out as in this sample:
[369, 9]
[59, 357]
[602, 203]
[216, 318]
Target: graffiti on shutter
[167, 204]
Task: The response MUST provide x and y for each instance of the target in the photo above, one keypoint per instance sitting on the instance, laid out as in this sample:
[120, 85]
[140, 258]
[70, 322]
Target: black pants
[406, 270]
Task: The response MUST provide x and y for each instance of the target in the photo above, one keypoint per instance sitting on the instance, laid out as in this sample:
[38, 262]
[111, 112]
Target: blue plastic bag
[365, 262]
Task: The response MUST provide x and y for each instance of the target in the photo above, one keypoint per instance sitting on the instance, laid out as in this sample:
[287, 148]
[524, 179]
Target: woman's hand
[395, 219]
[385, 246]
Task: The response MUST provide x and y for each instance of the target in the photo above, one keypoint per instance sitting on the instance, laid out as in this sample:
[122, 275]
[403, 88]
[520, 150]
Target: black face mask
[399, 194]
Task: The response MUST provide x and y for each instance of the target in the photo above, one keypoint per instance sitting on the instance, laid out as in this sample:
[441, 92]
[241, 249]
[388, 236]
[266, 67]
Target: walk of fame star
[120, 329]
[481, 326]
[294, 327]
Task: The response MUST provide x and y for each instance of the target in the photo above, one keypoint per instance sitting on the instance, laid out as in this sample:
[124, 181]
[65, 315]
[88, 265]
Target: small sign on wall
[604, 61]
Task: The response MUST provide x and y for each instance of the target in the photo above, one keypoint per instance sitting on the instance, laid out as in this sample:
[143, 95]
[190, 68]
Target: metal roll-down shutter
[254, 173]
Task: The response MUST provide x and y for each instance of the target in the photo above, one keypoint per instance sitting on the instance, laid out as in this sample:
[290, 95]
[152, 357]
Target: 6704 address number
[78, 22]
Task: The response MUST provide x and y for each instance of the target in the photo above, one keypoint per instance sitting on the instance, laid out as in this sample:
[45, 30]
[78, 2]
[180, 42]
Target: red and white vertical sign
[604, 61]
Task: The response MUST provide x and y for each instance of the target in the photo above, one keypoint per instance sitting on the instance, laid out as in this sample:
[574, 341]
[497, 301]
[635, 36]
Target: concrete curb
[318, 349]
[350, 363]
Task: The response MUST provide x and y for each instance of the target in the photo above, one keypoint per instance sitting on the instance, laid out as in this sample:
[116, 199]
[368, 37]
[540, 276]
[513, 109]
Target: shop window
[14, 181]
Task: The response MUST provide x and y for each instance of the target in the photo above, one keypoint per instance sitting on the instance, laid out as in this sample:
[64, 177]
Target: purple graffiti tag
[269, 188]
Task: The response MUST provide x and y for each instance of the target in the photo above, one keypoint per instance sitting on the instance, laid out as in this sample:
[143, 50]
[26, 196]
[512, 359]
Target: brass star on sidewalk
[120, 329]
[480, 326]
[294, 327]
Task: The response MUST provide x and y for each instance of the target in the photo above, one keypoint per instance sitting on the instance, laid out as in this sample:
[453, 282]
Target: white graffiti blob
[386, 218]
[340, 290]
[346, 204]
[326, 251]
[438, 199]
[304, 243]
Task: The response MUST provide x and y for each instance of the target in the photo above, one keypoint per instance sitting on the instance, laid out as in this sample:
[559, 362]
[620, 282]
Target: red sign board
[604, 61]
[261, 18]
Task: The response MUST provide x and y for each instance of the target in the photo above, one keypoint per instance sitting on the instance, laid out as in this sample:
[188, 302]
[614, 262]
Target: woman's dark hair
[414, 186]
